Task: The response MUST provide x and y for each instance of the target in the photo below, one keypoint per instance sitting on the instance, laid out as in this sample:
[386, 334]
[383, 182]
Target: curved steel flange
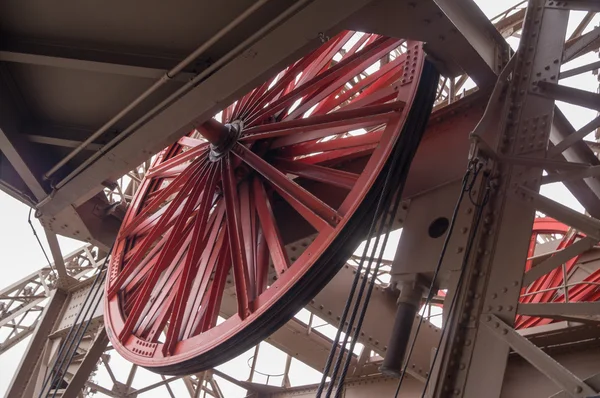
[251, 228]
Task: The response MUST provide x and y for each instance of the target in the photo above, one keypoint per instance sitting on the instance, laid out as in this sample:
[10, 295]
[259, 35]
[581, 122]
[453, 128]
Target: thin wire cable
[52, 374]
[400, 164]
[398, 156]
[365, 304]
[72, 355]
[467, 184]
[40, 243]
[336, 341]
[355, 308]
[469, 247]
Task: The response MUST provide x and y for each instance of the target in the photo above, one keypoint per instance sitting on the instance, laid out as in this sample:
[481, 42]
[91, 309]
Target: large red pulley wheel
[241, 222]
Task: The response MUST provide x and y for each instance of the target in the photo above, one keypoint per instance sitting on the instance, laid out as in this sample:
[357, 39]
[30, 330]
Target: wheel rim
[257, 211]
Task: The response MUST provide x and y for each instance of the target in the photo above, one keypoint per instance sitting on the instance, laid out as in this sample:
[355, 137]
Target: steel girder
[512, 139]
[472, 33]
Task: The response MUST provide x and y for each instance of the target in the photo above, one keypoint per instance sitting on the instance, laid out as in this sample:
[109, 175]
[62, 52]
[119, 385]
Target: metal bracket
[538, 358]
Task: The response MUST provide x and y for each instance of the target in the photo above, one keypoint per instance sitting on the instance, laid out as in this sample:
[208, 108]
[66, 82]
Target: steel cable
[400, 162]
[40, 243]
[367, 298]
[469, 247]
[467, 184]
[404, 165]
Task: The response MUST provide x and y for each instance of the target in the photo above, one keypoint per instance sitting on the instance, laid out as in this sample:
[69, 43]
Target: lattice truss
[22, 303]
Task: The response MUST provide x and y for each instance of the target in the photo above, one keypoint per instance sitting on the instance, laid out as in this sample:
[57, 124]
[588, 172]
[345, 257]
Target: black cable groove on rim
[386, 225]
[336, 255]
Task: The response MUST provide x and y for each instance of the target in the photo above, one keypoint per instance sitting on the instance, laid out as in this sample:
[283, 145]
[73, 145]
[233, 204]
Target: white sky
[20, 255]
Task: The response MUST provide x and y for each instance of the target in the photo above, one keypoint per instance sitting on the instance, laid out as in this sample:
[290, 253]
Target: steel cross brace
[542, 361]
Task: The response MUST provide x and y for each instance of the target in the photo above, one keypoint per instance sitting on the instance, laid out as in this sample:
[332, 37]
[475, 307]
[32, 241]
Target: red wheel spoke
[190, 266]
[393, 68]
[243, 103]
[313, 209]
[342, 155]
[248, 219]
[227, 112]
[378, 97]
[167, 255]
[192, 142]
[255, 98]
[211, 302]
[326, 57]
[236, 243]
[270, 231]
[262, 263]
[336, 84]
[285, 81]
[295, 131]
[160, 298]
[177, 160]
[210, 262]
[170, 172]
[324, 79]
[158, 230]
[338, 178]
[317, 146]
[362, 40]
[171, 189]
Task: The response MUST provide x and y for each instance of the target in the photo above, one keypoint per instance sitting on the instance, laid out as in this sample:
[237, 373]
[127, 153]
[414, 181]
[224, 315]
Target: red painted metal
[200, 236]
[550, 287]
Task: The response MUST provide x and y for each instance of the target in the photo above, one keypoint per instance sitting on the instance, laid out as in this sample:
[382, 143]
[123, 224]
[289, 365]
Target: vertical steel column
[472, 360]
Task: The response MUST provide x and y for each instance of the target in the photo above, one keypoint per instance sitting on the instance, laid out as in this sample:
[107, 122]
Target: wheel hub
[224, 145]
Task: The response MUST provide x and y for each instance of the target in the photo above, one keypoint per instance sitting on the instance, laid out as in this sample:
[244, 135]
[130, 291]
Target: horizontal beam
[578, 5]
[579, 70]
[571, 95]
[40, 139]
[588, 225]
[268, 55]
[538, 358]
[592, 171]
[571, 139]
[21, 52]
[562, 256]
[575, 311]
[586, 191]
[581, 45]
[458, 36]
